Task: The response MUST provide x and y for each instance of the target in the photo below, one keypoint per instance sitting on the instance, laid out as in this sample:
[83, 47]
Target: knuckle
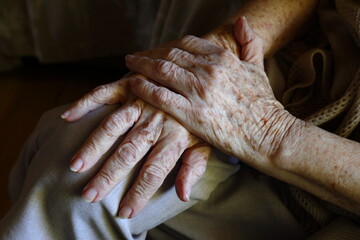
[188, 39]
[226, 55]
[101, 89]
[99, 92]
[105, 178]
[210, 69]
[162, 96]
[112, 124]
[151, 180]
[154, 175]
[83, 102]
[141, 191]
[216, 71]
[126, 155]
[173, 53]
[91, 148]
[163, 67]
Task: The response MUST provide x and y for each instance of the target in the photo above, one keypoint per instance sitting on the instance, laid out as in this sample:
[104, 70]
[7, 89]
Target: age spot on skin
[238, 99]
[263, 120]
[228, 146]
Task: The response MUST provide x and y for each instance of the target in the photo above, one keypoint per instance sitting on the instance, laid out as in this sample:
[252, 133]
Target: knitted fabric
[322, 86]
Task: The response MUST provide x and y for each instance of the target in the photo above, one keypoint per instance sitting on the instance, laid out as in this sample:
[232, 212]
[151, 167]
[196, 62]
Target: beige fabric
[339, 229]
[322, 86]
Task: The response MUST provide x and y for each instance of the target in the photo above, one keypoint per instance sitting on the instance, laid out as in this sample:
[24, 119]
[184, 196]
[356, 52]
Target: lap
[47, 195]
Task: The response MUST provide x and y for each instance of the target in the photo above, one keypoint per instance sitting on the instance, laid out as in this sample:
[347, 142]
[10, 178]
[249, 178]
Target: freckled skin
[275, 21]
[263, 134]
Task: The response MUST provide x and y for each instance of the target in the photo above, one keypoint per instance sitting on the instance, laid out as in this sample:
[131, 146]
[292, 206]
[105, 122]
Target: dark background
[27, 92]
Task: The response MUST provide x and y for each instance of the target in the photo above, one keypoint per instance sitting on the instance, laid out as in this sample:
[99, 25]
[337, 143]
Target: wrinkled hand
[150, 130]
[223, 100]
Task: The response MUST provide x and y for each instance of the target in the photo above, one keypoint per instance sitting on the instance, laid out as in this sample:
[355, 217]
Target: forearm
[321, 163]
[312, 159]
[229, 104]
[275, 21]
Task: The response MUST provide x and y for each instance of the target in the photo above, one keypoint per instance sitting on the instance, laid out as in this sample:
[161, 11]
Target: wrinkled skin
[229, 103]
[223, 100]
[147, 129]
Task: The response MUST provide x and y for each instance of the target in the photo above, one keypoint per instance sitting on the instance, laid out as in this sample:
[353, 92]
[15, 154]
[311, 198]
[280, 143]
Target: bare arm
[259, 14]
[230, 104]
[276, 22]
[322, 163]
[311, 158]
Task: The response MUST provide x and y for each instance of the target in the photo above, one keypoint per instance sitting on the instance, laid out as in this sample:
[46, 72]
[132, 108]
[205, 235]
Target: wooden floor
[26, 93]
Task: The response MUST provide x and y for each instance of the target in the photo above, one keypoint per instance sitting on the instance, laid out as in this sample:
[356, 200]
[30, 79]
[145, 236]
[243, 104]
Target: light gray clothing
[48, 204]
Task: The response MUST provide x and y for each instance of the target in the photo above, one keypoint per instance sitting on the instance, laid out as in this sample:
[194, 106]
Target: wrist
[224, 37]
[268, 141]
[288, 147]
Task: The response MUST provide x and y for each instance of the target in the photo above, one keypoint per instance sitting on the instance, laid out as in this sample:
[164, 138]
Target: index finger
[162, 71]
[196, 45]
[105, 94]
[190, 45]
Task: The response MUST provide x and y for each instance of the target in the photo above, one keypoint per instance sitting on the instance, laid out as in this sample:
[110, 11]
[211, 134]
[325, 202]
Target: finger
[190, 44]
[106, 94]
[164, 72]
[131, 151]
[252, 47]
[101, 140]
[194, 161]
[175, 55]
[174, 104]
[197, 46]
[156, 168]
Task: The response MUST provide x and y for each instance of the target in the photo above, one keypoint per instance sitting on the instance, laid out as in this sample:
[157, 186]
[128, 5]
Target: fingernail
[125, 212]
[187, 197]
[65, 114]
[89, 195]
[76, 165]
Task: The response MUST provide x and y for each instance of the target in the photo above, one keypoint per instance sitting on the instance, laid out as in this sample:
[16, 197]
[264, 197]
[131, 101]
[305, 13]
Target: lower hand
[150, 130]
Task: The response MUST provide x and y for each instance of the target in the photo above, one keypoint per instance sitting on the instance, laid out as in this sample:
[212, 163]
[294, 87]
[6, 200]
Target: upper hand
[149, 130]
[226, 101]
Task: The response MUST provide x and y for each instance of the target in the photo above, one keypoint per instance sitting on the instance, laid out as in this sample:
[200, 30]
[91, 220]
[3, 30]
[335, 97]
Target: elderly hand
[225, 101]
[150, 129]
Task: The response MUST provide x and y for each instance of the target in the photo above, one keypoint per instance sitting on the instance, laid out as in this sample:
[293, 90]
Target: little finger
[175, 55]
[194, 161]
[105, 94]
[164, 72]
[174, 104]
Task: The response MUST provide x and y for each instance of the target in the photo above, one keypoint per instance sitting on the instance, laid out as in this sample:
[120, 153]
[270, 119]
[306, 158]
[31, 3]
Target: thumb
[251, 45]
